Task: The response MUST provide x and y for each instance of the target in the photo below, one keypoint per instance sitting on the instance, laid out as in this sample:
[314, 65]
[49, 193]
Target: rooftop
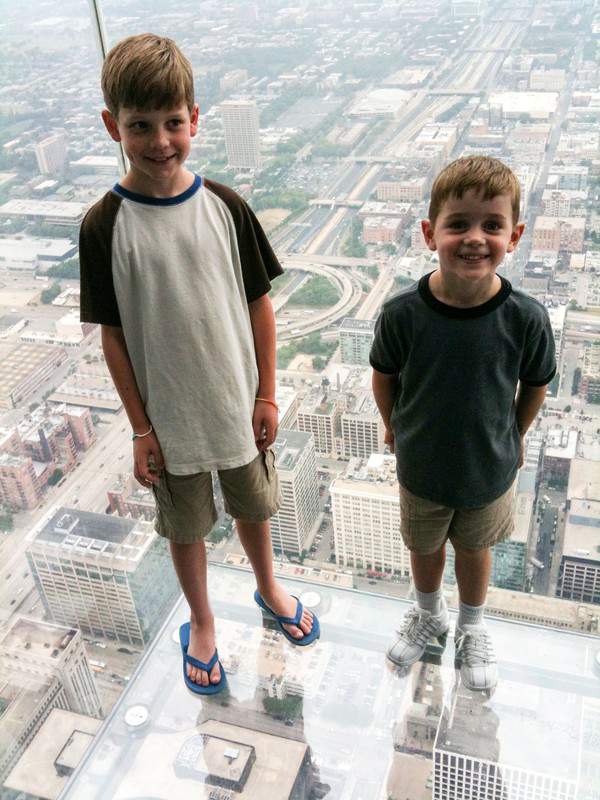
[340, 723]
[582, 531]
[351, 324]
[40, 639]
[60, 745]
[288, 448]
[67, 525]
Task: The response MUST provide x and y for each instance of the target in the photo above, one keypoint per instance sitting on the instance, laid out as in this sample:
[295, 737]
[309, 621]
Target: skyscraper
[51, 153]
[242, 134]
[297, 469]
[366, 516]
[108, 576]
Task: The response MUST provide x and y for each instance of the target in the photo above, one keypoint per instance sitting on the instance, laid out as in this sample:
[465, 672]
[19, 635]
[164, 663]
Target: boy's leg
[189, 561]
[424, 527]
[428, 569]
[473, 568]
[474, 534]
[256, 541]
[474, 647]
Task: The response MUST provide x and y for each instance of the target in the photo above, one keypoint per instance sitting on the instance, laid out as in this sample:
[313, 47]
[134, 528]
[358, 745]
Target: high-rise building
[590, 373]
[129, 499]
[287, 400]
[44, 666]
[356, 338]
[22, 481]
[470, 763]
[509, 570]
[51, 153]
[579, 572]
[366, 517]
[297, 470]
[320, 414]
[34, 648]
[106, 575]
[242, 133]
[362, 427]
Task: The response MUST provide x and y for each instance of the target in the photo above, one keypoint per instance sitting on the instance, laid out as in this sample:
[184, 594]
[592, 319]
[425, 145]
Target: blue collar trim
[159, 201]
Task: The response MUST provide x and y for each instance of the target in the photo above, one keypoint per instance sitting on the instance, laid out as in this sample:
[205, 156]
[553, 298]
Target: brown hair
[147, 72]
[483, 174]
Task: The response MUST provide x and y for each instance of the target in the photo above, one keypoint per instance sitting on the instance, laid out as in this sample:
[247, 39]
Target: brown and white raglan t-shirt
[177, 275]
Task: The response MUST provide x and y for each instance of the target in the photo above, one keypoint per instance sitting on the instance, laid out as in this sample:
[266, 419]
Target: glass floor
[336, 720]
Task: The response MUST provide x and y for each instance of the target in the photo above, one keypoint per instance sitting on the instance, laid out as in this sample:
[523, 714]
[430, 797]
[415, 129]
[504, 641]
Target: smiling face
[156, 143]
[472, 235]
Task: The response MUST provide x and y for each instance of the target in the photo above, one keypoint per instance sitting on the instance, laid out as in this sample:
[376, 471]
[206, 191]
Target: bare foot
[202, 647]
[283, 604]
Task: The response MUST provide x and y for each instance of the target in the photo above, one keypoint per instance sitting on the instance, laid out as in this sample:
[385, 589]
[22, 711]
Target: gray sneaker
[476, 658]
[417, 629]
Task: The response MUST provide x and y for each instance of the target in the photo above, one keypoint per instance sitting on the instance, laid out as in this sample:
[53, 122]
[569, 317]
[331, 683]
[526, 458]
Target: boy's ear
[427, 229]
[515, 236]
[110, 123]
[194, 116]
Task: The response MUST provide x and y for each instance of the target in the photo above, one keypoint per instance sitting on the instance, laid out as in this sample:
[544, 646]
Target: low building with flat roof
[25, 369]
[29, 253]
[51, 211]
[53, 754]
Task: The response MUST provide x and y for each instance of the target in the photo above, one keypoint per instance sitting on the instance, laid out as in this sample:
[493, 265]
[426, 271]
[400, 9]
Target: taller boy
[448, 355]
[176, 269]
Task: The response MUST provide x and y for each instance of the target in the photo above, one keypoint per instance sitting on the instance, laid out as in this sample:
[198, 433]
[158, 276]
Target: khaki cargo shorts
[185, 507]
[426, 525]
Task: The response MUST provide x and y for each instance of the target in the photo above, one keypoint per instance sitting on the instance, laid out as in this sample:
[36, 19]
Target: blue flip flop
[212, 688]
[308, 638]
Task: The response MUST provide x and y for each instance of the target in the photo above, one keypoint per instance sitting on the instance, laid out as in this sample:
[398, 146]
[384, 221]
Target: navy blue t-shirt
[456, 438]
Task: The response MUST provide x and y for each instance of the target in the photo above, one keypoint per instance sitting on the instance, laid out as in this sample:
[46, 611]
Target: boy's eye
[493, 226]
[139, 125]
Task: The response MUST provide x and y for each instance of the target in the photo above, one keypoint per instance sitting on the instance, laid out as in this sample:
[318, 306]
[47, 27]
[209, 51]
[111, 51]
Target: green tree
[318, 291]
[6, 521]
[68, 269]
[288, 708]
[48, 295]
[55, 477]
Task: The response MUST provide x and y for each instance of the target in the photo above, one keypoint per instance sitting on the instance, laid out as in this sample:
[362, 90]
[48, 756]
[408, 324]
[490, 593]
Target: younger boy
[176, 269]
[448, 357]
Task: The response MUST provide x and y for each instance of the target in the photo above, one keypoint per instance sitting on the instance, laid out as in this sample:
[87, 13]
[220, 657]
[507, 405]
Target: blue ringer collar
[159, 201]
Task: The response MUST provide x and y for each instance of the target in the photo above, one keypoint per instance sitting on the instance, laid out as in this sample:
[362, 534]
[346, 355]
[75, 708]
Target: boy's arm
[528, 403]
[265, 417]
[146, 448]
[384, 390]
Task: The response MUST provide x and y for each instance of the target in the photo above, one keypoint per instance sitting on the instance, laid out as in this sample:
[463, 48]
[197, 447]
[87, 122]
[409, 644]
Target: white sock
[430, 601]
[469, 615]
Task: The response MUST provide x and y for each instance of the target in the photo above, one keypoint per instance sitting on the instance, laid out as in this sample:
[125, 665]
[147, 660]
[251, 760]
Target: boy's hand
[265, 421]
[148, 461]
[388, 439]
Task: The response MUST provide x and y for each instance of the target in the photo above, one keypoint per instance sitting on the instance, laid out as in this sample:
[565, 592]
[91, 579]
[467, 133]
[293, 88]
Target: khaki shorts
[425, 525]
[185, 507]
